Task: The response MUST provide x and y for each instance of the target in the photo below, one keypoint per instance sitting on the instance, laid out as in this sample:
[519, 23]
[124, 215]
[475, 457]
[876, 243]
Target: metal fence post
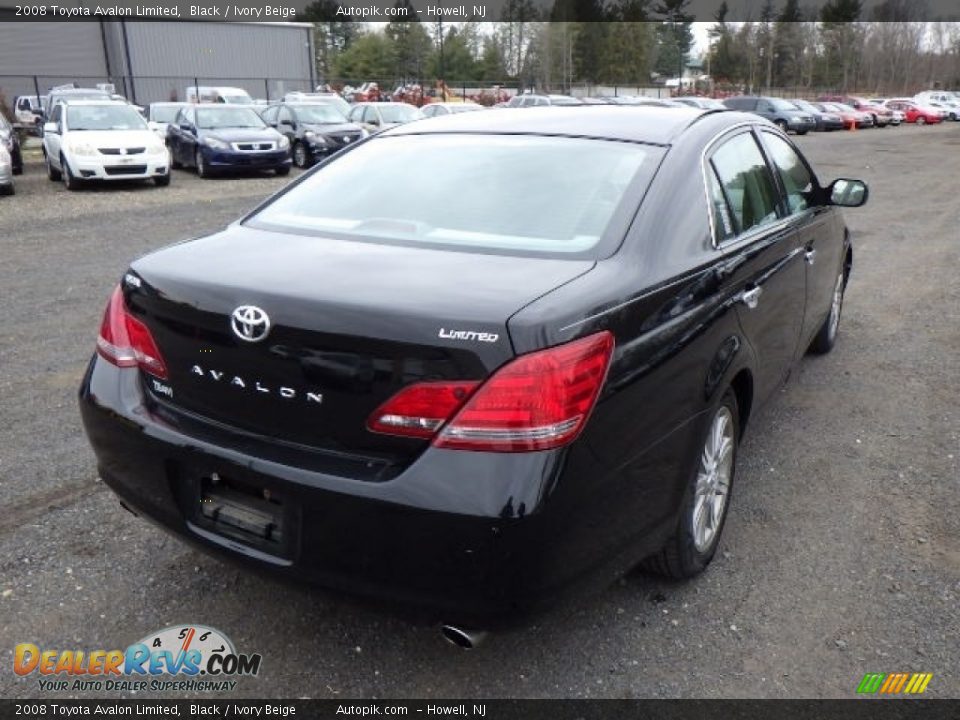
[36, 87]
[266, 88]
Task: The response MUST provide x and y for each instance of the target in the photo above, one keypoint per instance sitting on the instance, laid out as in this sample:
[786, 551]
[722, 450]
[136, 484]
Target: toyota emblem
[250, 323]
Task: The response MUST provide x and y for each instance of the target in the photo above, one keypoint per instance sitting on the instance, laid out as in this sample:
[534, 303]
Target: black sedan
[217, 138]
[314, 129]
[11, 141]
[443, 369]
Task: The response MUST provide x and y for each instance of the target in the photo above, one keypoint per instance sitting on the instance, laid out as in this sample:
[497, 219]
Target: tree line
[892, 49]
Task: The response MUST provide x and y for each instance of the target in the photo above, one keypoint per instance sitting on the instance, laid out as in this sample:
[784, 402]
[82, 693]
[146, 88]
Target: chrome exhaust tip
[462, 638]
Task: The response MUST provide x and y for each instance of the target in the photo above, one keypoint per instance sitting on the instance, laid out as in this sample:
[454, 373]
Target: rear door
[53, 140]
[763, 254]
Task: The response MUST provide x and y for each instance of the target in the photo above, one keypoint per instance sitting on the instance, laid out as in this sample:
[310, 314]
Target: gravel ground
[841, 555]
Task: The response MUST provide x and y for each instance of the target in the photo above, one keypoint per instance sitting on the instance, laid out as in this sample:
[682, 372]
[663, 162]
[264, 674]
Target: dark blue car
[216, 138]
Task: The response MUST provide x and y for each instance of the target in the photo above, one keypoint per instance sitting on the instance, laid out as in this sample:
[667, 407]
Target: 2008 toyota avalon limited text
[476, 360]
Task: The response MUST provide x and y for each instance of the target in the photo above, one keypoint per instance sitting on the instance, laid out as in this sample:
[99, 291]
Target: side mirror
[848, 193]
[51, 128]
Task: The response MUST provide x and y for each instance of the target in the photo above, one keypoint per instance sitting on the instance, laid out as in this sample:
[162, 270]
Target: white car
[446, 108]
[102, 140]
[6, 172]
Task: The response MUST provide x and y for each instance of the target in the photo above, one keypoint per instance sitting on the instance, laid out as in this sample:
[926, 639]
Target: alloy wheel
[835, 307]
[713, 480]
[300, 155]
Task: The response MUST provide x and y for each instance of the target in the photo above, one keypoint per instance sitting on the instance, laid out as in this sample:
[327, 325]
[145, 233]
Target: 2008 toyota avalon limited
[475, 360]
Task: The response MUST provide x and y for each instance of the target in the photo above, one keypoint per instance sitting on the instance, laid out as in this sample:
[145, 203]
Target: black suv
[10, 139]
[780, 112]
[315, 129]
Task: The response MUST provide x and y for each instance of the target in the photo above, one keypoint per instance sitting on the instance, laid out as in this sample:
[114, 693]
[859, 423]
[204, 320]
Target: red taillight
[535, 402]
[127, 342]
[419, 410]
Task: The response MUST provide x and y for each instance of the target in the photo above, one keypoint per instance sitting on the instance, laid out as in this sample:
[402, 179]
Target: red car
[882, 116]
[914, 113]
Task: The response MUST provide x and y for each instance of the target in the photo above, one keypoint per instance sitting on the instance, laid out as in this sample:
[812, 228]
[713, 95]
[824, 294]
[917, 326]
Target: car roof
[97, 103]
[659, 126]
[79, 91]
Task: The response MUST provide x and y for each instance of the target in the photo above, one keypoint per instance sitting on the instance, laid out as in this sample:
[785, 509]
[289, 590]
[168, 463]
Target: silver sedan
[6, 172]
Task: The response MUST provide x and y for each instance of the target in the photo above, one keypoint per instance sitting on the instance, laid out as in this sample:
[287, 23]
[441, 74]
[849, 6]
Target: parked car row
[93, 134]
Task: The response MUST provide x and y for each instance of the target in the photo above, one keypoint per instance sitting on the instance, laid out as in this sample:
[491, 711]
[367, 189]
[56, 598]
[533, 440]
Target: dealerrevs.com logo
[179, 658]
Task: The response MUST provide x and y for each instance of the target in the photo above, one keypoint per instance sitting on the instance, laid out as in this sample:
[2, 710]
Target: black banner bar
[857, 709]
[457, 10]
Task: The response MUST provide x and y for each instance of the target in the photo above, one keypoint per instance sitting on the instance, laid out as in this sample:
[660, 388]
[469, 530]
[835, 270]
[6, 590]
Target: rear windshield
[782, 105]
[320, 114]
[164, 113]
[398, 112]
[520, 194]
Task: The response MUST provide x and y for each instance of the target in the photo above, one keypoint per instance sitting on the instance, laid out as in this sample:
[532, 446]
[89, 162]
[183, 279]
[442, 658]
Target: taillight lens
[127, 342]
[420, 409]
[535, 402]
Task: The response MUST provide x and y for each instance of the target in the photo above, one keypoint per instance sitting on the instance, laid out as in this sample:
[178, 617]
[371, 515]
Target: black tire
[7, 189]
[681, 557]
[782, 124]
[282, 170]
[70, 181]
[202, 169]
[162, 180]
[826, 336]
[52, 173]
[301, 156]
[802, 132]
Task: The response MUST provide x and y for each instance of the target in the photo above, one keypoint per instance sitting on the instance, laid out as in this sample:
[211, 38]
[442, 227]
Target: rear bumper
[473, 538]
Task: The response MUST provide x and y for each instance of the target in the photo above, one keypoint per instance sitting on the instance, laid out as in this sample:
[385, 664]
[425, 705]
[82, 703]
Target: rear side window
[746, 182]
[798, 182]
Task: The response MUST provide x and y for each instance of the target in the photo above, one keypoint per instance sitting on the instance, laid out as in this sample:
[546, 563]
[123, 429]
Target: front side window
[798, 182]
[522, 196]
[746, 182]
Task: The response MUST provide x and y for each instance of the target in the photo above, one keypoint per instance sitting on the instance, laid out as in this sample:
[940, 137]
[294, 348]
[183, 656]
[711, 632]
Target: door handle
[810, 256]
[751, 297]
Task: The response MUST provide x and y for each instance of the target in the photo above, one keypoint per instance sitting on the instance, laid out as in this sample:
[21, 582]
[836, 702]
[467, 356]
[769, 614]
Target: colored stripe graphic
[894, 683]
[871, 683]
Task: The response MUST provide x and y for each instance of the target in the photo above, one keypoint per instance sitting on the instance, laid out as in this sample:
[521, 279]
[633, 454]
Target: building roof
[655, 125]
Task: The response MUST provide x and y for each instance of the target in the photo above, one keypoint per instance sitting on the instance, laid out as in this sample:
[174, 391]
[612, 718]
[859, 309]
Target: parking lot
[841, 555]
